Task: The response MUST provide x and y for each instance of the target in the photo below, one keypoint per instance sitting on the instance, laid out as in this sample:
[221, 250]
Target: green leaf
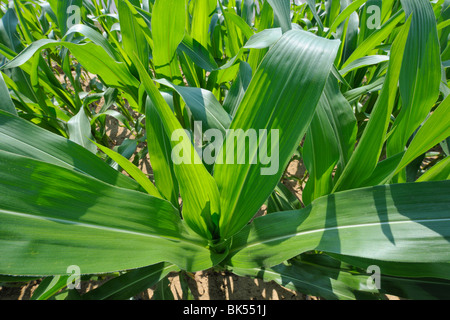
[440, 171]
[270, 105]
[282, 9]
[197, 187]
[7, 104]
[168, 29]
[23, 138]
[130, 283]
[198, 54]
[203, 105]
[420, 74]
[344, 15]
[317, 275]
[201, 17]
[312, 7]
[91, 56]
[363, 62]
[383, 171]
[131, 27]
[389, 223]
[399, 269]
[132, 170]
[246, 30]
[60, 9]
[163, 291]
[375, 38]
[365, 158]
[96, 38]
[435, 129]
[53, 218]
[79, 129]
[236, 93]
[159, 150]
[49, 286]
[334, 126]
[264, 38]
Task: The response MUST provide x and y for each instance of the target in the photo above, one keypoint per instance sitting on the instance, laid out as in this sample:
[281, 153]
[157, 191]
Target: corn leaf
[91, 56]
[396, 224]
[197, 187]
[159, 150]
[365, 158]
[295, 85]
[131, 283]
[282, 9]
[132, 170]
[60, 218]
[7, 104]
[168, 29]
[435, 129]
[334, 126]
[420, 74]
[133, 37]
[40, 144]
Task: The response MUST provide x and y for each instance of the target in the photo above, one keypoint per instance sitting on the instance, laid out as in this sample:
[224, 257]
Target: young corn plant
[360, 103]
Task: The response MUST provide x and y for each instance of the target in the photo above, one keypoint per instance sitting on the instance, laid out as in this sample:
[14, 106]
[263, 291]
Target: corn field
[220, 97]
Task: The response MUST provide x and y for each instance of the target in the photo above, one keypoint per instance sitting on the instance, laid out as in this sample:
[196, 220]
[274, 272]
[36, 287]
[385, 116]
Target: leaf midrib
[99, 227]
[292, 235]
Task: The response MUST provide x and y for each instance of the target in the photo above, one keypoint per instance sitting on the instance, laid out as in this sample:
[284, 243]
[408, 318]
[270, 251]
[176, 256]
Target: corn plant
[362, 104]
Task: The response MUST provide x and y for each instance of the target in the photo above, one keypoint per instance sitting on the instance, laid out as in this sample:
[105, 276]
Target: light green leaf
[334, 126]
[317, 275]
[43, 145]
[7, 104]
[197, 187]
[435, 129]
[168, 29]
[91, 56]
[203, 105]
[238, 88]
[159, 150]
[79, 129]
[53, 218]
[49, 286]
[392, 223]
[420, 74]
[296, 84]
[440, 171]
[130, 283]
[365, 158]
[282, 9]
[375, 38]
[363, 62]
[132, 170]
[131, 27]
[198, 54]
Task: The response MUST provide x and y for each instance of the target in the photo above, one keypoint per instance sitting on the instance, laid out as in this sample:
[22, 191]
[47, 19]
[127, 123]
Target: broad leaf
[168, 29]
[398, 223]
[198, 189]
[53, 218]
[285, 106]
[130, 283]
[420, 74]
[43, 145]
